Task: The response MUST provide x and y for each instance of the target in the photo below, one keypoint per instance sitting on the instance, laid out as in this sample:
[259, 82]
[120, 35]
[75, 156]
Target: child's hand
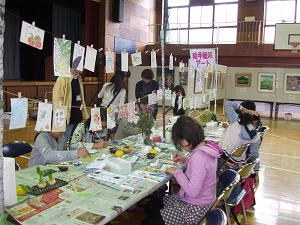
[178, 158]
[83, 152]
[101, 144]
[171, 170]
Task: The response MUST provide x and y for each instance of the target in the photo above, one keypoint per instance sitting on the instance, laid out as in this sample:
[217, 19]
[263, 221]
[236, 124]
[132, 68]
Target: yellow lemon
[119, 153]
[154, 151]
[21, 191]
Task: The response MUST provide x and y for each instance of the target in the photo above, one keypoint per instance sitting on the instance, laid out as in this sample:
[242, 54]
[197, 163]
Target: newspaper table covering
[92, 201]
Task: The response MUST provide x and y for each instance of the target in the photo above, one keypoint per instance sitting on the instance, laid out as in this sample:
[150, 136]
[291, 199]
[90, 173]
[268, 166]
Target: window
[279, 12]
[198, 24]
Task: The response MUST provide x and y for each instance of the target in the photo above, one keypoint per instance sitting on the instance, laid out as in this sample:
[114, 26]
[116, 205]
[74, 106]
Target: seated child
[50, 147]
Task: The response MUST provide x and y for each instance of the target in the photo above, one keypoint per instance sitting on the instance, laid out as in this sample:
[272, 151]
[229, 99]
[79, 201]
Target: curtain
[11, 57]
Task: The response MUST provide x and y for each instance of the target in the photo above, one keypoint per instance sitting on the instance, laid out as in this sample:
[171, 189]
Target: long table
[94, 202]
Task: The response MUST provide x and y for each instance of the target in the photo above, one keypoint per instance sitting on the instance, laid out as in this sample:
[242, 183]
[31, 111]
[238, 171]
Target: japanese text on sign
[202, 57]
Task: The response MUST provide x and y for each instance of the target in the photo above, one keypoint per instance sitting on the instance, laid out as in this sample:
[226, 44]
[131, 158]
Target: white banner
[202, 57]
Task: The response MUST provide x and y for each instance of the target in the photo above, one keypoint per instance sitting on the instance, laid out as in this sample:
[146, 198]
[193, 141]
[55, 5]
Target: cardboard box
[288, 116]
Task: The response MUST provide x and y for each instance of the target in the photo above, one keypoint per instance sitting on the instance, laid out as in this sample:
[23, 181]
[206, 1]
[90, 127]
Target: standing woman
[147, 86]
[113, 95]
[198, 182]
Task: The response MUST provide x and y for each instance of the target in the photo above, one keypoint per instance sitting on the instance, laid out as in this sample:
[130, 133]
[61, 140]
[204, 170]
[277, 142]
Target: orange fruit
[127, 149]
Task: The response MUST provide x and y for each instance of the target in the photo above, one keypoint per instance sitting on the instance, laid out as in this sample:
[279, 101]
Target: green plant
[41, 182]
[49, 173]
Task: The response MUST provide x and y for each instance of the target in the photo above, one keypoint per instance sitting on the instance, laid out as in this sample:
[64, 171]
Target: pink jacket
[198, 182]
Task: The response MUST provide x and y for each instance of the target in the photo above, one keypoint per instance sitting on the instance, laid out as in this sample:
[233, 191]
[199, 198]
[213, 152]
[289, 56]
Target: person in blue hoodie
[243, 124]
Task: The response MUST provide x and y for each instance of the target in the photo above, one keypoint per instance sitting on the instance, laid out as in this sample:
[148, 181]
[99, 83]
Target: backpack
[248, 186]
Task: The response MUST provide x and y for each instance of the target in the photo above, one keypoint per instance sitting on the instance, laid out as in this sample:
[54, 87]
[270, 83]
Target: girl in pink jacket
[198, 182]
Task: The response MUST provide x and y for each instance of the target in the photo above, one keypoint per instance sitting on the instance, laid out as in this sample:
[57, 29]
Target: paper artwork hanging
[31, 35]
[152, 99]
[159, 94]
[153, 59]
[192, 72]
[173, 99]
[109, 59]
[192, 103]
[185, 103]
[78, 56]
[124, 61]
[202, 57]
[19, 111]
[95, 124]
[90, 59]
[111, 119]
[168, 94]
[43, 122]
[59, 119]
[61, 57]
[122, 111]
[136, 59]
[199, 81]
[171, 66]
[181, 67]
[131, 112]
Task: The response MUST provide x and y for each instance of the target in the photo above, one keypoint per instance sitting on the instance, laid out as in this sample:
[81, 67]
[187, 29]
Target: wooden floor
[278, 195]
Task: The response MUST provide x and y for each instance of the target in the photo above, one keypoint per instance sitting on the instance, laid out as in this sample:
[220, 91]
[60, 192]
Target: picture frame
[243, 79]
[266, 82]
[183, 78]
[291, 83]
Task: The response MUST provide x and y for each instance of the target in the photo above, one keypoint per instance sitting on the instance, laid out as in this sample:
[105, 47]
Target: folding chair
[238, 193]
[16, 149]
[237, 152]
[227, 180]
[216, 217]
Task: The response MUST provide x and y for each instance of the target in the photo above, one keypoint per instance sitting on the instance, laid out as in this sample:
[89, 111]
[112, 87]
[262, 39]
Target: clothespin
[92, 45]
[139, 100]
[95, 106]
[81, 107]
[19, 95]
[157, 50]
[64, 36]
[78, 42]
[46, 101]
[171, 53]
[124, 50]
[100, 49]
[175, 59]
[60, 104]
[33, 23]
[146, 52]
[152, 50]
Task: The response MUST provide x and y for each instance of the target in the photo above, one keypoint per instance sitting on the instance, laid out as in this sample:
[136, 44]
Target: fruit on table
[21, 191]
[127, 149]
[154, 151]
[119, 153]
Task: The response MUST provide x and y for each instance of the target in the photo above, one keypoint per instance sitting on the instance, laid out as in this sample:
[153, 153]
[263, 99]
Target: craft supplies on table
[107, 176]
[132, 183]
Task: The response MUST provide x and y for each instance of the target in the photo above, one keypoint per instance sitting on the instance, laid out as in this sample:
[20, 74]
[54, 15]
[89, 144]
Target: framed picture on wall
[266, 82]
[291, 83]
[243, 79]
